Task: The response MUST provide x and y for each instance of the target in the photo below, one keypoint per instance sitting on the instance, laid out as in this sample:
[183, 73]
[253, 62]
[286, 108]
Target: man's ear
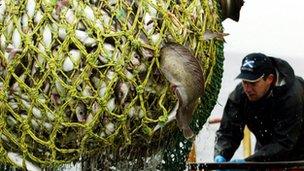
[271, 79]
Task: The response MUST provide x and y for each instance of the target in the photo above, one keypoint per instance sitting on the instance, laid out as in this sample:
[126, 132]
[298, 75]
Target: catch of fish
[82, 75]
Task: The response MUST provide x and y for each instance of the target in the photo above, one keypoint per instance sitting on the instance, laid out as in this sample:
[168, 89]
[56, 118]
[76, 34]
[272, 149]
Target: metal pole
[247, 142]
[192, 154]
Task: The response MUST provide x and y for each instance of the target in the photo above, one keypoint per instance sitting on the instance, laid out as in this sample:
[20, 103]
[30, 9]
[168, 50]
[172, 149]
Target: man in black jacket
[270, 101]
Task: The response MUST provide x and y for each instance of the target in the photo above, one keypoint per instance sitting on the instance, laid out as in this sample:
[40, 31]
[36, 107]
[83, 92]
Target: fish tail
[188, 133]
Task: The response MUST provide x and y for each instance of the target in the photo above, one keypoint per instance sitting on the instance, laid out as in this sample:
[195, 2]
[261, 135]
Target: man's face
[256, 90]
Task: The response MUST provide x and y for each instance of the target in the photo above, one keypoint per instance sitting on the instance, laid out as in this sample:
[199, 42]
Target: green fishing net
[80, 80]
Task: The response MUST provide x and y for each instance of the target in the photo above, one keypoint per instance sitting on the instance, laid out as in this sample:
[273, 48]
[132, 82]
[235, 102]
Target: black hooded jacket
[276, 120]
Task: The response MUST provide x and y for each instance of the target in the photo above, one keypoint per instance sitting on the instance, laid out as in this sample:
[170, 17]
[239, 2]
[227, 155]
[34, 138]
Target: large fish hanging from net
[81, 80]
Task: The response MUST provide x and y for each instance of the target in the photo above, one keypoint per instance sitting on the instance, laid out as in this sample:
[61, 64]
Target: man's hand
[219, 159]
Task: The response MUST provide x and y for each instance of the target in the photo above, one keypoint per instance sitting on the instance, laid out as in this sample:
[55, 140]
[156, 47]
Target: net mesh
[80, 79]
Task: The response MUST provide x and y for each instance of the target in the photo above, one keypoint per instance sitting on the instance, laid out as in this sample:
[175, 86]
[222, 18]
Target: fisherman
[269, 100]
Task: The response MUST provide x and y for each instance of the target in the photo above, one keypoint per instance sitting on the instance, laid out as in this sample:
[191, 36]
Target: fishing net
[80, 80]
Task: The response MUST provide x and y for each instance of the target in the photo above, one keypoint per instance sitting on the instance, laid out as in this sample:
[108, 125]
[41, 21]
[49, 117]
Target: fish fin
[184, 118]
[171, 117]
[209, 35]
[188, 133]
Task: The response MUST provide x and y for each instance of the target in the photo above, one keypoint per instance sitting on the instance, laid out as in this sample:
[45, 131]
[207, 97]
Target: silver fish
[30, 8]
[18, 160]
[122, 91]
[209, 35]
[2, 10]
[60, 4]
[85, 38]
[81, 112]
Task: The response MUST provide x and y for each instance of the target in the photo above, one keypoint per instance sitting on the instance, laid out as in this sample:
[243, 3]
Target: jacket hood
[285, 73]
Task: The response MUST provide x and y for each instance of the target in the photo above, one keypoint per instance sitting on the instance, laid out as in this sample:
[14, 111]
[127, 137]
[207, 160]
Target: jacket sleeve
[230, 133]
[288, 121]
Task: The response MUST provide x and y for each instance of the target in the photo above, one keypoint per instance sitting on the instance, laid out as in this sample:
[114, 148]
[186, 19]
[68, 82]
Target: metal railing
[280, 165]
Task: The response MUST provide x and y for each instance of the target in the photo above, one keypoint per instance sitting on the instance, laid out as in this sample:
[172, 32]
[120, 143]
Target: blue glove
[219, 159]
[237, 161]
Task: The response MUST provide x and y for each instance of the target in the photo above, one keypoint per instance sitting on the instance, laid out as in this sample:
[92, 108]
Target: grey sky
[275, 27]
